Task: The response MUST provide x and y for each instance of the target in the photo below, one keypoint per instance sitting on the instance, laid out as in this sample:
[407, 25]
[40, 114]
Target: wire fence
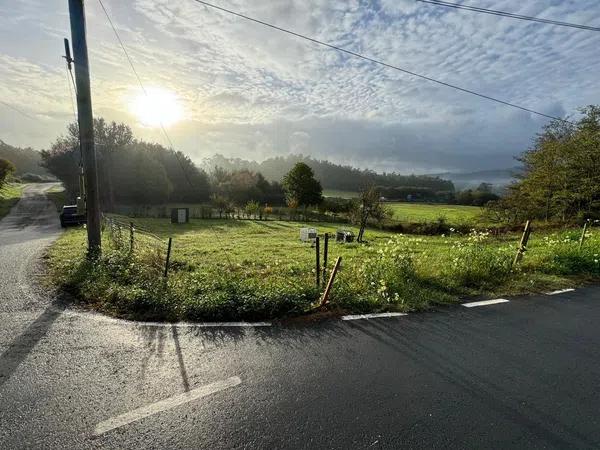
[142, 244]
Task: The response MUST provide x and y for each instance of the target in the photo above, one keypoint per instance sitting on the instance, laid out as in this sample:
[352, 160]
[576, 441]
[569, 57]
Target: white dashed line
[485, 302]
[372, 316]
[165, 404]
[560, 291]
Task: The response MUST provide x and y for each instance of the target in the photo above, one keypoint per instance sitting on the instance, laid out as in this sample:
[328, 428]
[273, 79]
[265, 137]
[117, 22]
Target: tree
[252, 209]
[122, 181]
[220, 202]
[301, 187]
[6, 170]
[368, 206]
[561, 177]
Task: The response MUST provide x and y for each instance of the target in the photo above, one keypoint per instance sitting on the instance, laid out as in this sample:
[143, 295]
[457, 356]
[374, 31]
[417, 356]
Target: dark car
[69, 216]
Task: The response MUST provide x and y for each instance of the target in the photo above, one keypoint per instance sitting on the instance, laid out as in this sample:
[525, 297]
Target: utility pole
[86, 123]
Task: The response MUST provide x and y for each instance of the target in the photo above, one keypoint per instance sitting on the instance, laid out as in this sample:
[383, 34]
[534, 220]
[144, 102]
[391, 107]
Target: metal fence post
[325, 252]
[168, 257]
[318, 261]
[131, 231]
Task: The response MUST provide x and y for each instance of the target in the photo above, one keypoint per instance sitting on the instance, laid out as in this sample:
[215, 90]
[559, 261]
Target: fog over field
[243, 90]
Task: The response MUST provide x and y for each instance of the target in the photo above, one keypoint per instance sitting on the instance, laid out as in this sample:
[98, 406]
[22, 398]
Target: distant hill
[26, 160]
[332, 176]
[498, 178]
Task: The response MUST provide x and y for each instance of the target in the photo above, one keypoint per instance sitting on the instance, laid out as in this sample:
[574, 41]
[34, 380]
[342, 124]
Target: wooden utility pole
[86, 123]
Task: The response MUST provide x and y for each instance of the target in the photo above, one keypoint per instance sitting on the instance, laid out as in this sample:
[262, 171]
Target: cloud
[254, 92]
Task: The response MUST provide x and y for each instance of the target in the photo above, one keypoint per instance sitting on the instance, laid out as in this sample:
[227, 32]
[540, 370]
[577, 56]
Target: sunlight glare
[157, 107]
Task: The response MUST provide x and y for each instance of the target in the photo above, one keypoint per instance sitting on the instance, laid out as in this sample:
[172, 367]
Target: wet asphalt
[522, 374]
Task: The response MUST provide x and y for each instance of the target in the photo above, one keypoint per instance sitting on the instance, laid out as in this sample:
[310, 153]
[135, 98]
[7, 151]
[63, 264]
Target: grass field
[9, 196]
[423, 212]
[232, 270]
[340, 194]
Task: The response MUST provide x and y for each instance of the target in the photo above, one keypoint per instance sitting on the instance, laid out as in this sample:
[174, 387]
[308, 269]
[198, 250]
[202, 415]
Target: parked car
[69, 216]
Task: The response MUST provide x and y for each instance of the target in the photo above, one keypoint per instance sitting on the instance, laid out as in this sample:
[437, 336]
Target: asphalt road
[520, 374]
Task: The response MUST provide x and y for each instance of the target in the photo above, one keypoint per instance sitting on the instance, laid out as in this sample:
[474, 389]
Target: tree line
[561, 174]
[332, 176]
[26, 160]
[133, 171]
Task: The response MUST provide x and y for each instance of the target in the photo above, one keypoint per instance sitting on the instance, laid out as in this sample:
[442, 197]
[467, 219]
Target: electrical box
[308, 234]
[80, 206]
[180, 215]
[344, 236]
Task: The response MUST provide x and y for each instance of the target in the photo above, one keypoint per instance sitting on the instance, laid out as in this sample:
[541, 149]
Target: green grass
[424, 212]
[10, 194]
[232, 270]
[58, 196]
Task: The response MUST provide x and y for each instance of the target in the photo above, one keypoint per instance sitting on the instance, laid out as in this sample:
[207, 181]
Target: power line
[14, 108]
[144, 90]
[508, 14]
[378, 62]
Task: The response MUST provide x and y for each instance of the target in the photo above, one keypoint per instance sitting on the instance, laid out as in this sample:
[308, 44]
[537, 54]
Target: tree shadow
[22, 345]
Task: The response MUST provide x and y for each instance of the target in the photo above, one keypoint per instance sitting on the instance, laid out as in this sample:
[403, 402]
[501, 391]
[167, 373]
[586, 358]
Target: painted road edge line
[560, 291]
[371, 316]
[485, 302]
[163, 405]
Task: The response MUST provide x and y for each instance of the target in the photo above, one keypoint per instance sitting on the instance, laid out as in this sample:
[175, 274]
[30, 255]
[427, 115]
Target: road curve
[518, 374]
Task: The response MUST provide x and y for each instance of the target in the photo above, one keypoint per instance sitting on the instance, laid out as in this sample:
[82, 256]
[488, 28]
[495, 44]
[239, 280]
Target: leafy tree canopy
[301, 187]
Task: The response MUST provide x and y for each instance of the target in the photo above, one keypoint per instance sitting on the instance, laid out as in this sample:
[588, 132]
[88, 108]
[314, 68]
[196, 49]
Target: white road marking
[485, 302]
[165, 404]
[560, 291]
[372, 316]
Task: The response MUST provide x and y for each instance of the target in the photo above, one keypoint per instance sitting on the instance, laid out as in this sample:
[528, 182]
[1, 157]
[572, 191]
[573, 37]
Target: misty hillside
[498, 178]
[331, 176]
[26, 160]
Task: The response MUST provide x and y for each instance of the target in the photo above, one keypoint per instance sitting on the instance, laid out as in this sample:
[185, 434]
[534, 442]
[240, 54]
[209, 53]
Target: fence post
[318, 261]
[325, 297]
[168, 257]
[582, 239]
[131, 231]
[325, 251]
[523, 244]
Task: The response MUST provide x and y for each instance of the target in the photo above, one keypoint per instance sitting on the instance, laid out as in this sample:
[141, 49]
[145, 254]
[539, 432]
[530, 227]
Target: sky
[242, 90]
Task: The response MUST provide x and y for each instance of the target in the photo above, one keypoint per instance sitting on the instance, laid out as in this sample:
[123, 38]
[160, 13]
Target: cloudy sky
[233, 87]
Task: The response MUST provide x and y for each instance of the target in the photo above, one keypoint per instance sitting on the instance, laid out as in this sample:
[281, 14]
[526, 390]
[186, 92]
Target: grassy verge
[232, 270]
[10, 194]
[58, 196]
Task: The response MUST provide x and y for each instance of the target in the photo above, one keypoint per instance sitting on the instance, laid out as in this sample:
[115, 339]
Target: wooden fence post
[131, 231]
[582, 239]
[523, 244]
[168, 257]
[325, 252]
[318, 261]
[325, 296]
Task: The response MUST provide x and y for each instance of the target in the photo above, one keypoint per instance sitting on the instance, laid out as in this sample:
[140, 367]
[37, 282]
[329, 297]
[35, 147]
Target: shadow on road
[23, 344]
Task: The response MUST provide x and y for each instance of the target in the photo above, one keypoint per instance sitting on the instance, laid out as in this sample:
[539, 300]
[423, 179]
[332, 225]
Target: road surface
[518, 374]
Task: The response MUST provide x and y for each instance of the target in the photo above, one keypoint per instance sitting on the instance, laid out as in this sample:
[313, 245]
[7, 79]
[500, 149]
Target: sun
[157, 107]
